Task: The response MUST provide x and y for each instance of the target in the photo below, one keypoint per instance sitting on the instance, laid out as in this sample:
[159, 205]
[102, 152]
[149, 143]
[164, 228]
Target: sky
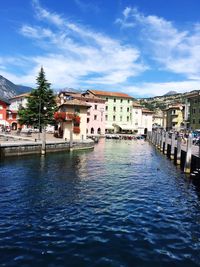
[140, 47]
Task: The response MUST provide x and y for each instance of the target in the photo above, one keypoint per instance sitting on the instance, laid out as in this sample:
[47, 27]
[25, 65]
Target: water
[123, 204]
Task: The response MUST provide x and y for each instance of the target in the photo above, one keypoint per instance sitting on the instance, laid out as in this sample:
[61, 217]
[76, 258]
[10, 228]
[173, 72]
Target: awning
[4, 123]
[109, 127]
[125, 126]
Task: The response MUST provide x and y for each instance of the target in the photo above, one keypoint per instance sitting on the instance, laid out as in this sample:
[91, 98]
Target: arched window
[92, 130]
[99, 131]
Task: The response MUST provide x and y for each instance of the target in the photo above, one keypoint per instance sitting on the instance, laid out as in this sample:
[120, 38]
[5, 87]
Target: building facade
[118, 111]
[95, 114]
[175, 117]
[4, 104]
[72, 119]
[193, 101]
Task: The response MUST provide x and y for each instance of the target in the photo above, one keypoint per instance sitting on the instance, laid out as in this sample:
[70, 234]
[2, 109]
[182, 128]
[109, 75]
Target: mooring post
[43, 150]
[71, 139]
[166, 143]
[172, 146]
[162, 140]
[187, 167]
[178, 156]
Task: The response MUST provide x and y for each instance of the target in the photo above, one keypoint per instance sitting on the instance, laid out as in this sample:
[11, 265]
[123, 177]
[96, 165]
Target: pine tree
[41, 105]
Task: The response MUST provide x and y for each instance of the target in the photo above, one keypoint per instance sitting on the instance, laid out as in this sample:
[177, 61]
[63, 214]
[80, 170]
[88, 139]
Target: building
[175, 117]
[147, 117]
[4, 104]
[16, 103]
[158, 119]
[72, 119]
[137, 118]
[118, 111]
[193, 107]
[95, 114]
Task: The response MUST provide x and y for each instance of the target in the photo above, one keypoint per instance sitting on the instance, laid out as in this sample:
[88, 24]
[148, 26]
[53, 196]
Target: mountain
[171, 93]
[162, 102]
[9, 89]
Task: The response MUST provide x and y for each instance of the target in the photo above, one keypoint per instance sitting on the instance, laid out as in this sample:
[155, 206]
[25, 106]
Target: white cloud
[74, 54]
[154, 89]
[175, 50]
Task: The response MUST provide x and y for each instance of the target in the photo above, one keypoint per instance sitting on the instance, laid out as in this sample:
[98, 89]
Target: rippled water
[123, 204]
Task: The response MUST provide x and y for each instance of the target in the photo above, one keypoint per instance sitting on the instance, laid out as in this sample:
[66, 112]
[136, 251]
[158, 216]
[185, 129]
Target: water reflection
[122, 204]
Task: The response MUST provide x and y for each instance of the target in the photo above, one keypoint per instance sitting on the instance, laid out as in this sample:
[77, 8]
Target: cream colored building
[141, 119]
[75, 123]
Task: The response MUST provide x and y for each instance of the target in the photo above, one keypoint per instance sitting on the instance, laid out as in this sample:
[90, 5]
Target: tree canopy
[41, 104]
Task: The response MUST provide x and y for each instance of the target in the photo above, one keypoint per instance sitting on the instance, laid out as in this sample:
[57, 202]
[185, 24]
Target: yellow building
[175, 117]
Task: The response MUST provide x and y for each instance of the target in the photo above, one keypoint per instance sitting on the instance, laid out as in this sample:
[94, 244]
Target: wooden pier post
[162, 140]
[43, 149]
[187, 167]
[71, 140]
[178, 156]
[172, 146]
[166, 143]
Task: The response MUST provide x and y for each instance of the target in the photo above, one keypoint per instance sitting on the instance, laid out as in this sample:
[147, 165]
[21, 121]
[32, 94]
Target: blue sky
[140, 47]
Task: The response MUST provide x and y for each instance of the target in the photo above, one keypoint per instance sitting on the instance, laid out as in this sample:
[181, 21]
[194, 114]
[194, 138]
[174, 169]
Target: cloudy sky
[140, 47]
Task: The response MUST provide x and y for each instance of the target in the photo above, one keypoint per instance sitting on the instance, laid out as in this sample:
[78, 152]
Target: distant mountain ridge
[170, 93]
[9, 89]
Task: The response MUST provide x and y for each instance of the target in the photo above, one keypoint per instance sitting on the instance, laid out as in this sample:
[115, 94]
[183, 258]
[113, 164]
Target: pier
[182, 152]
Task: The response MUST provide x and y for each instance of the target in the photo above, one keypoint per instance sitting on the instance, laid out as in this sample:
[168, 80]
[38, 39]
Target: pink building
[95, 114]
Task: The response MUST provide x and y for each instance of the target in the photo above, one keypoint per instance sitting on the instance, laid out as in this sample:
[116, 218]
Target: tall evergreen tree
[41, 105]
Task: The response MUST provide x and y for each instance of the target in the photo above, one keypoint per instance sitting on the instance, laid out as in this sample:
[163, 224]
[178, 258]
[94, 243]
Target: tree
[41, 105]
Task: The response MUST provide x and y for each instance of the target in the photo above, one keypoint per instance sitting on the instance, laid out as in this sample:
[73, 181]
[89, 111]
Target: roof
[76, 102]
[136, 104]
[145, 110]
[20, 96]
[113, 94]
[83, 96]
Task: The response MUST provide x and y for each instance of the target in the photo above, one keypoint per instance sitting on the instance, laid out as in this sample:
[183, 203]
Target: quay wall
[27, 148]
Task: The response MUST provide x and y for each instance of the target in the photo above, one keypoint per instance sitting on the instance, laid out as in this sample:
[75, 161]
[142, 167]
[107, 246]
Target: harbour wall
[27, 148]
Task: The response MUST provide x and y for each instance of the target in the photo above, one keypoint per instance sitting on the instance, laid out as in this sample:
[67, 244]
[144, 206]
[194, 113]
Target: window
[136, 112]
[114, 109]
[193, 121]
[173, 112]
[95, 106]
[114, 118]
[95, 117]
[106, 108]
[120, 118]
[127, 118]
[1, 107]
[194, 110]
[1, 116]
[10, 116]
[106, 117]
[106, 99]
[128, 100]
[77, 109]
[127, 109]
[121, 109]
[121, 100]
[114, 99]
[88, 120]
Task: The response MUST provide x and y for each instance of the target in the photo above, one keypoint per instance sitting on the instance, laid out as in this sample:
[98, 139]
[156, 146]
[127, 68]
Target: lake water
[123, 204]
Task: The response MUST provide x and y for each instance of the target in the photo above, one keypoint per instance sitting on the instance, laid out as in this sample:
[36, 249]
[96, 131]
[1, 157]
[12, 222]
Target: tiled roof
[136, 104]
[4, 100]
[76, 102]
[21, 95]
[145, 110]
[105, 93]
